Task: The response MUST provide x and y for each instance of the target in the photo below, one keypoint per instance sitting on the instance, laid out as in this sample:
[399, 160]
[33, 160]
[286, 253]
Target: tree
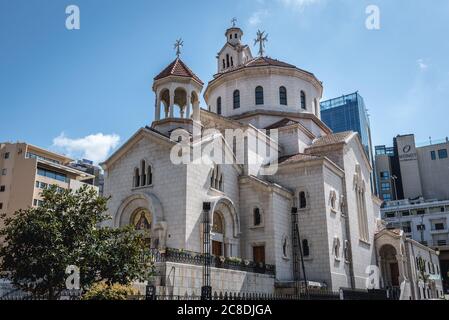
[41, 242]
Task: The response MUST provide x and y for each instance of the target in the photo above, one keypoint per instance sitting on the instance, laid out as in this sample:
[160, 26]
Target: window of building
[257, 217]
[236, 99]
[386, 196]
[224, 64]
[442, 153]
[305, 248]
[385, 175]
[216, 179]
[433, 155]
[259, 95]
[421, 227]
[439, 226]
[227, 59]
[1, 205]
[136, 179]
[6, 156]
[283, 96]
[405, 213]
[52, 175]
[386, 186]
[421, 212]
[2, 188]
[303, 100]
[442, 242]
[4, 172]
[150, 175]
[390, 214]
[219, 105]
[407, 227]
[302, 200]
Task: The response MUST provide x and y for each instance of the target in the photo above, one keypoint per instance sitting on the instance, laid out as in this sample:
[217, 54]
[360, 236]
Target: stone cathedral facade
[324, 177]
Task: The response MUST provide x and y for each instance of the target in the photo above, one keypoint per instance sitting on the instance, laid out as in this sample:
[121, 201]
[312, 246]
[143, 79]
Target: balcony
[194, 258]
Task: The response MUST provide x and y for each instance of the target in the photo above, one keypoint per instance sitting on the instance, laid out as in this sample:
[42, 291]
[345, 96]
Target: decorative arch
[132, 203]
[226, 207]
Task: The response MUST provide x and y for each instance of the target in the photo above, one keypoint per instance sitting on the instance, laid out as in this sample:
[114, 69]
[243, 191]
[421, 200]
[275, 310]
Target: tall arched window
[303, 100]
[219, 105]
[305, 248]
[227, 60]
[257, 217]
[283, 96]
[224, 64]
[143, 178]
[259, 95]
[302, 200]
[150, 176]
[136, 180]
[236, 99]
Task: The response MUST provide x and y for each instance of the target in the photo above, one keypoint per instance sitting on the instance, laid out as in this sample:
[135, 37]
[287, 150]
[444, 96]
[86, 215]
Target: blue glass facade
[348, 113]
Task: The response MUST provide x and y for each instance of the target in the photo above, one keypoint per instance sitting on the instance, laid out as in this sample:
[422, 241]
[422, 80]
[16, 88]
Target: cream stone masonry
[325, 176]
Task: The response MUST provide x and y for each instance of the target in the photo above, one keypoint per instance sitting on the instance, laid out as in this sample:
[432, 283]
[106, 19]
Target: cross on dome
[234, 21]
[178, 44]
[261, 39]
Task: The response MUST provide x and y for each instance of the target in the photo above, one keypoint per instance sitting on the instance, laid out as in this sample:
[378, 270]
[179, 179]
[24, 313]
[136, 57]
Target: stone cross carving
[178, 44]
[233, 21]
[261, 39]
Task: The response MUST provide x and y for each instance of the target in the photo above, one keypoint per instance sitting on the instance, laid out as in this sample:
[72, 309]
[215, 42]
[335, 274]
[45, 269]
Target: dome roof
[179, 69]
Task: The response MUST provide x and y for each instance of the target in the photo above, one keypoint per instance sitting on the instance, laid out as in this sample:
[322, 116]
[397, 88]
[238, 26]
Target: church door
[217, 248]
[259, 254]
[394, 268]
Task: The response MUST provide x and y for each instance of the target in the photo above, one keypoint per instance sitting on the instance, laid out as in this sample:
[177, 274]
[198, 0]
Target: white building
[325, 176]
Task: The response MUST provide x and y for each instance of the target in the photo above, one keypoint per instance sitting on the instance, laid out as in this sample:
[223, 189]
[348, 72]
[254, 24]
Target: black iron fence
[194, 258]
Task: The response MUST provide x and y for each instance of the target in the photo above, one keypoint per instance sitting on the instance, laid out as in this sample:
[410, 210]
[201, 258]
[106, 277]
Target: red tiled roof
[297, 158]
[331, 139]
[178, 68]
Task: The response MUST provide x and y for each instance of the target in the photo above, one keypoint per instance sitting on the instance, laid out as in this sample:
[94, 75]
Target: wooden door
[259, 254]
[217, 248]
[394, 269]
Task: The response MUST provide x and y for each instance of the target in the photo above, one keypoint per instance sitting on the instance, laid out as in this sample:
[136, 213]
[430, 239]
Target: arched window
[236, 99]
[143, 178]
[216, 179]
[259, 95]
[257, 217]
[285, 247]
[224, 64]
[150, 176]
[219, 105]
[232, 62]
[217, 223]
[305, 248]
[136, 180]
[283, 96]
[227, 59]
[303, 100]
[302, 200]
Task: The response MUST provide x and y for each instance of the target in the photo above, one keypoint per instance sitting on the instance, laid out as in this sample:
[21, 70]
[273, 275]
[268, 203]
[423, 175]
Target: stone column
[196, 111]
[172, 102]
[400, 261]
[189, 99]
[157, 111]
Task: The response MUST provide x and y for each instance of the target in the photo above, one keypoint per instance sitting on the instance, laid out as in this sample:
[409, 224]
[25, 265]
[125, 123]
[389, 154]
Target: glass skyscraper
[348, 113]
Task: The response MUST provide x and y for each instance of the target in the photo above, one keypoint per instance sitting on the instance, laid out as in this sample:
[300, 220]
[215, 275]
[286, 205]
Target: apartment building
[25, 170]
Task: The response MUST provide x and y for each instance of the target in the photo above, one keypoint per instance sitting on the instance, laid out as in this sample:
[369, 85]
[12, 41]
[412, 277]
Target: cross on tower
[261, 39]
[233, 21]
[178, 44]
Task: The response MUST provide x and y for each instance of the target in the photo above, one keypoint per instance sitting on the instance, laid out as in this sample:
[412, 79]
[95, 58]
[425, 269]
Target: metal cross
[233, 21]
[178, 44]
[261, 39]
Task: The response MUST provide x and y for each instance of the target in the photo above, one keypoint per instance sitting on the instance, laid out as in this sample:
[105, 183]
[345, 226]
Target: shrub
[103, 291]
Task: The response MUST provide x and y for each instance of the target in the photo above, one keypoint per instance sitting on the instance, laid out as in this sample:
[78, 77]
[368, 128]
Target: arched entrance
[218, 234]
[390, 265]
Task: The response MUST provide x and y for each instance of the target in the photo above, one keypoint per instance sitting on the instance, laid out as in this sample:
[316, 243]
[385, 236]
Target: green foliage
[41, 242]
[104, 291]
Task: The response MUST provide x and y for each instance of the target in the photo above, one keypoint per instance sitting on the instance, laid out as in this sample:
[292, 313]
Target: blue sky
[84, 92]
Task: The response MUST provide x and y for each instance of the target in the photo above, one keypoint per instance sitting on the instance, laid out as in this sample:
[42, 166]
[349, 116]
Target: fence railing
[194, 258]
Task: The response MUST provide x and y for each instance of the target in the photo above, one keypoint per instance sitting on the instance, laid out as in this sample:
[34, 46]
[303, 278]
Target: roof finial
[178, 44]
[261, 39]
[234, 21]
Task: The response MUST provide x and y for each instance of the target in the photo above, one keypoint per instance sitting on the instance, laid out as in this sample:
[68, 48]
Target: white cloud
[95, 147]
[256, 17]
[422, 65]
[298, 4]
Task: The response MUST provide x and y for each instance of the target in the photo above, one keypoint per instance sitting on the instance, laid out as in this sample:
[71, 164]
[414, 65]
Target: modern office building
[414, 183]
[409, 171]
[25, 170]
[89, 167]
[348, 113]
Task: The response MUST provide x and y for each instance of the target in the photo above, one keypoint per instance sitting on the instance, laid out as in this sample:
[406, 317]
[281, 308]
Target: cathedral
[311, 216]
